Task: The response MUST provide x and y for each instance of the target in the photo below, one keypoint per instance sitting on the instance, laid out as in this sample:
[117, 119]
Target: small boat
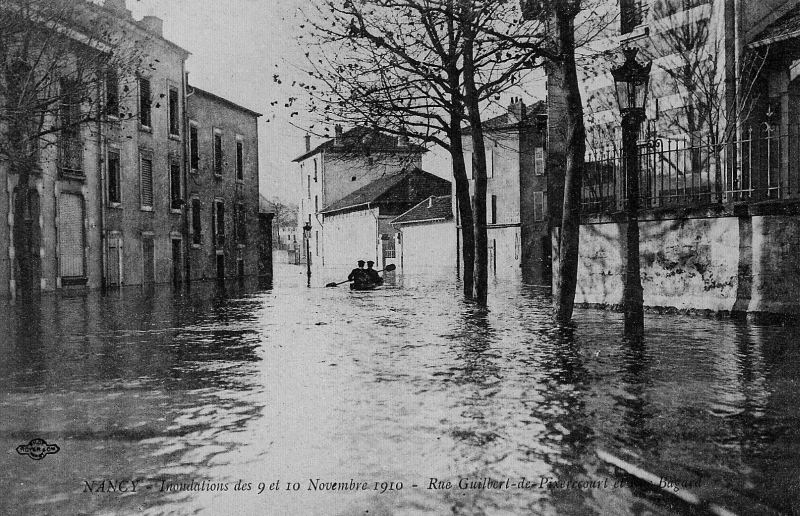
[365, 286]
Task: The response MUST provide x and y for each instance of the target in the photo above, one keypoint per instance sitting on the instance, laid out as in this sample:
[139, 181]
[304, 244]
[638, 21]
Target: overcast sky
[237, 47]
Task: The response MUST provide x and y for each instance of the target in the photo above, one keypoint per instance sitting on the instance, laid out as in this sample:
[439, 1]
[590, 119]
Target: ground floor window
[71, 236]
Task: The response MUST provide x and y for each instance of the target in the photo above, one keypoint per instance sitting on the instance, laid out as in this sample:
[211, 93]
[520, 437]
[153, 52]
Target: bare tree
[402, 66]
[63, 70]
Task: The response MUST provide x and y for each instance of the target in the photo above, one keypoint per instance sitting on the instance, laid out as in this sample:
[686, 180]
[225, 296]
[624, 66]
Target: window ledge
[195, 246]
[115, 205]
[175, 211]
[176, 137]
[217, 175]
[638, 32]
[146, 208]
[145, 129]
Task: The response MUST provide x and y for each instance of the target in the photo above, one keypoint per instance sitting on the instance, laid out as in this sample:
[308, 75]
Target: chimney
[517, 108]
[154, 24]
[118, 7]
[308, 142]
[402, 141]
[337, 139]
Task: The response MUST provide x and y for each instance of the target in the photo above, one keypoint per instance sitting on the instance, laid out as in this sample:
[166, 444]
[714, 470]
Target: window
[493, 210]
[316, 203]
[315, 171]
[174, 112]
[194, 151]
[197, 223]
[538, 161]
[316, 241]
[539, 205]
[146, 180]
[113, 169]
[112, 93]
[218, 221]
[239, 160]
[241, 224]
[309, 186]
[70, 144]
[632, 14]
[175, 185]
[144, 103]
[217, 153]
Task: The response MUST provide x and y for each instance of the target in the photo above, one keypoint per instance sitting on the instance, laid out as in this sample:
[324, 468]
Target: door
[176, 262]
[220, 266]
[71, 236]
[148, 261]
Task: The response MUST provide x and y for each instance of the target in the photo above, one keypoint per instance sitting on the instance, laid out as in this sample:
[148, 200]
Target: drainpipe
[101, 191]
[187, 245]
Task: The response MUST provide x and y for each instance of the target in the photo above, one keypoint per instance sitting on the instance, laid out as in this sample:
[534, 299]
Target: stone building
[516, 191]
[222, 194]
[358, 226]
[342, 165]
[719, 171]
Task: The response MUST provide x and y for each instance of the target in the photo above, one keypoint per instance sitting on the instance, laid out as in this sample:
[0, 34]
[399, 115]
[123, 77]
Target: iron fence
[764, 163]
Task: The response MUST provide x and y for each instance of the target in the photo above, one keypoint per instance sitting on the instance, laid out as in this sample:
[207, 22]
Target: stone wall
[727, 263]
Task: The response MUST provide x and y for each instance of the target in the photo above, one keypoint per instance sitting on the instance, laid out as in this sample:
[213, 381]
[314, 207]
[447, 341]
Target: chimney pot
[337, 139]
[308, 142]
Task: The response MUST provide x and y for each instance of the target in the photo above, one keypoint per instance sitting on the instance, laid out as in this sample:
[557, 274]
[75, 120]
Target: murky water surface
[401, 385]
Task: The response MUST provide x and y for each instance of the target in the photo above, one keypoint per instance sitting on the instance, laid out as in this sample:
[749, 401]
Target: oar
[389, 268]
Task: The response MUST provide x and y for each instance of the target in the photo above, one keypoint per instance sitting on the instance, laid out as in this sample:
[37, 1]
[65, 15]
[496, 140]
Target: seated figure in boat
[359, 275]
[373, 275]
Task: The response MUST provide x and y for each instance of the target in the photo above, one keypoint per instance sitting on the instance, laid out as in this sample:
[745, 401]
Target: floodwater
[198, 398]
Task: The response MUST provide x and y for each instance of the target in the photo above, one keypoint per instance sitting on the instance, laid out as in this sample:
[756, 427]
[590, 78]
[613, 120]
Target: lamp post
[631, 82]
[307, 240]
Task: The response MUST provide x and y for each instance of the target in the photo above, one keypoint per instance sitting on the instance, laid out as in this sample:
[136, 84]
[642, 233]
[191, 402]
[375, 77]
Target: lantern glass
[631, 81]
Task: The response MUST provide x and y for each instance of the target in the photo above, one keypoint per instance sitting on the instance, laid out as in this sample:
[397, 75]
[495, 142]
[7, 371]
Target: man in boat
[372, 275]
[358, 275]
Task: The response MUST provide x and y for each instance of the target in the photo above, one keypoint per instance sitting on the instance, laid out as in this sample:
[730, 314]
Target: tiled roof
[785, 27]
[430, 209]
[363, 140]
[384, 190]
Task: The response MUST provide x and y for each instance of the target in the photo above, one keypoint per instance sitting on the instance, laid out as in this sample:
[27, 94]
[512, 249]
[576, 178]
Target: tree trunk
[22, 237]
[566, 279]
[464, 208]
[478, 166]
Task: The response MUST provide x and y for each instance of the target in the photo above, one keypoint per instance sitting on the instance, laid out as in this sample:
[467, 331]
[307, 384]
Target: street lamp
[631, 81]
[307, 240]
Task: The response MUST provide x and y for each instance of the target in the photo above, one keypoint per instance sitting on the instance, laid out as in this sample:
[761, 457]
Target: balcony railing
[763, 164]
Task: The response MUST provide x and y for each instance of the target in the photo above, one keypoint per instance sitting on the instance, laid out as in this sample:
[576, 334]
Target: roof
[223, 100]
[380, 190]
[509, 120]
[265, 205]
[785, 27]
[431, 209]
[363, 140]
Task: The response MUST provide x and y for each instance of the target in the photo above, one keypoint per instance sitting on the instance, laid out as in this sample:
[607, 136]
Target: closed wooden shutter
[147, 181]
[114, 251]
[70, 235]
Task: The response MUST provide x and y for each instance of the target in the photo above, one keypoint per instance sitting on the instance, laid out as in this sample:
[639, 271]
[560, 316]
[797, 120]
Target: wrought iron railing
[764, 163]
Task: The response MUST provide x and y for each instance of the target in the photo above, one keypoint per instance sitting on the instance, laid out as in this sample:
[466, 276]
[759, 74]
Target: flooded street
[295, 386]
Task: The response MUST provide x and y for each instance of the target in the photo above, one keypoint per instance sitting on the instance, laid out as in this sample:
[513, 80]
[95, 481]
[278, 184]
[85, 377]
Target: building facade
[428, 239]
[222, 194]
[340, 166]
[108, 206]
[718, 167]
[516, 191]
[359, 226]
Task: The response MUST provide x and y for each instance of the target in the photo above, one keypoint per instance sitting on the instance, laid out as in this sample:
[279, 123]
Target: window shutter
[147, 182]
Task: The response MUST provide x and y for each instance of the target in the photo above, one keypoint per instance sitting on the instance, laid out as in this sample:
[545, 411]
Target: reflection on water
[405, 384]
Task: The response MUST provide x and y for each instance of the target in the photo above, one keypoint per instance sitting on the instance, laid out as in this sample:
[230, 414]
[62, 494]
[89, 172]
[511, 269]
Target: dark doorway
[221, 267]
[176, 262]
[148, 261]
[547, 261]
[240, 268]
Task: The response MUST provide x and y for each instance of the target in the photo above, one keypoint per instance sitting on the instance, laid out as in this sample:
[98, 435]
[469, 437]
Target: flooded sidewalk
[405, 400]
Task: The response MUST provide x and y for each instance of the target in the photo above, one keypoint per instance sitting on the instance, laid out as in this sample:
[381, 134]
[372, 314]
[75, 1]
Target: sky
[237, 48]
